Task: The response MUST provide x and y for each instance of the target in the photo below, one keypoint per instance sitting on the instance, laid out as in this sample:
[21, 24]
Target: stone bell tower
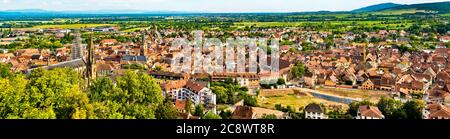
[144, 45]
[90, 61]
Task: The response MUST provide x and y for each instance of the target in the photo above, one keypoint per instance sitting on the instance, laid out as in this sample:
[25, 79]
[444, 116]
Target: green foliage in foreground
[229, 92]
[393, 109]
[211, 115]
[60, 94]
[270, 116]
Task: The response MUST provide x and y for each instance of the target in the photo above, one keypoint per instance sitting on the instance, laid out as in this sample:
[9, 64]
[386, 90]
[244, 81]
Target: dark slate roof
[134, 58]
[68, 64]
[164, 73]
[35, 57]
[314, 108]
[76, 63]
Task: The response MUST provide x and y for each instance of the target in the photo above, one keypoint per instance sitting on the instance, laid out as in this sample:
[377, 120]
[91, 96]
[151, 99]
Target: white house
[183, 90]
[314, 111]
[444, 39]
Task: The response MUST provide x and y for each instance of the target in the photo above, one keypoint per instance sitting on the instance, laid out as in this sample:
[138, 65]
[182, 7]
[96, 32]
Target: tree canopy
[62, 94]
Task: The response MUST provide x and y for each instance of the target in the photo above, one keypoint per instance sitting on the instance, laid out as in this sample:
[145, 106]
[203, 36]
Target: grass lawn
[290, 99]
[67, 26]
[373, 96]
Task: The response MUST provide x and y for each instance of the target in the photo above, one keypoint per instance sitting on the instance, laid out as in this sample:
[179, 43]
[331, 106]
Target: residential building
[315, 111]
[197, 92]
[437, 111]
[247, 112]
[369, 112]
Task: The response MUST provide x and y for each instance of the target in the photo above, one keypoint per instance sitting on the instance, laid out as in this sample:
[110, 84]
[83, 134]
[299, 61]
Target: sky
[199, 5]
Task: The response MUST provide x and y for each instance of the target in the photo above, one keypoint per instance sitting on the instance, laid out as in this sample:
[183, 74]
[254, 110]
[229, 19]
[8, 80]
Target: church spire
[90, 64]
[144, 45]
[365, 56]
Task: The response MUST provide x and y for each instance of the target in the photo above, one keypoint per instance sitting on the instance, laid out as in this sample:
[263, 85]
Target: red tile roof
[438, 111]
[242, 112]
[180, 105]
[108, 41]
[370, 111]
[196, 87]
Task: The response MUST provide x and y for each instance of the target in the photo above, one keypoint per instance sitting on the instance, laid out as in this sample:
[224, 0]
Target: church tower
[144, 45]
[77, 47]
[90, 61]
[365, 56]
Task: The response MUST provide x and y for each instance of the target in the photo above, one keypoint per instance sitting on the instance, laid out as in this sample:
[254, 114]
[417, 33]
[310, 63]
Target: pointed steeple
[90, 61]
[144, 45]
[365, 55]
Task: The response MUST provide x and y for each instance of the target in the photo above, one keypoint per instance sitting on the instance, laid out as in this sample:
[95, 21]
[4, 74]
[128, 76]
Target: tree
[228, 92]
[101, 89]
[158, 68]
[136, 96]
[389, 107]
[399, 114]
[5, 70]
[140, 87]
[225, 114]
[57, 89]
[298, 70]
[44, 95]
[188, 106]
[269, 116]
[221, 93]
[354, 106]
[337, 114]
[279, 107]
[199, 110]
[413, 109]
[211, 115]
[281, 81]
[250, 101]
[290, 109]
[167, 111]
[13, 97]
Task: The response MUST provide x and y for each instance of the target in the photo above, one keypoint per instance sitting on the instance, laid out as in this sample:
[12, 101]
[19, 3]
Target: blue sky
[199, 5]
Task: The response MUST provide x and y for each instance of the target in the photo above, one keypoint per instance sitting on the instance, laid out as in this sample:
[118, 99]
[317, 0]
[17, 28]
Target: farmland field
[68, 26]
[328, 24]
[399, 12]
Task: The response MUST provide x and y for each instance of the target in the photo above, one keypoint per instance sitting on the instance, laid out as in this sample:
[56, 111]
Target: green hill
[440, 7]
[376, 7]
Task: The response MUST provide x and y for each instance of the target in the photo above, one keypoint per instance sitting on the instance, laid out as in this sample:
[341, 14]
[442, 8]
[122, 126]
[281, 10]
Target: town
[348, 69]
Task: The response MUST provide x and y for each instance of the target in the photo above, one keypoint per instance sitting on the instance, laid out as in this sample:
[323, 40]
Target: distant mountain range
[440, 7]
[40, 11]
[26, 11]
[377, 7]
